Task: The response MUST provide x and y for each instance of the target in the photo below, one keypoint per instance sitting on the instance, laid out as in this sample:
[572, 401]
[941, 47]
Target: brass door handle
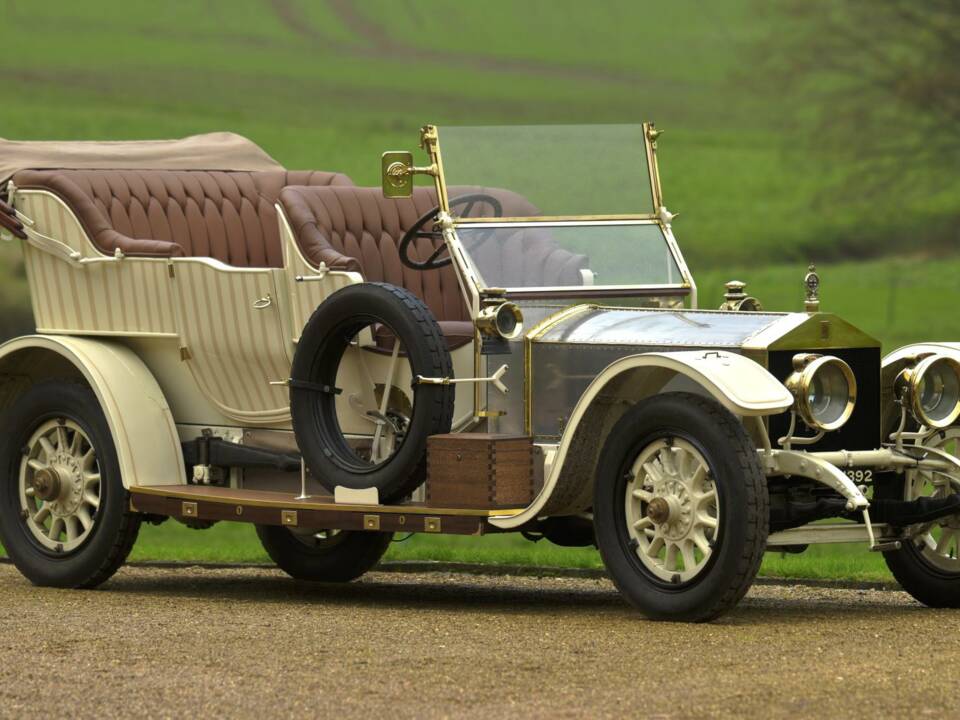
[263, 303]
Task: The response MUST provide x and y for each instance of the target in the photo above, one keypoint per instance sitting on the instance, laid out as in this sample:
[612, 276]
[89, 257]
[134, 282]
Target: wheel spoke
[670, 561]
[42, 514]
[652, 471]
[62, 443]
[643, 523]
[89, 457]
[642, 494]
[76, 442]
[71, 525]
[708, 497]
[943, 544]
[656, 545]
[696, 481]
[91, 478]
[700, 540]
[706, 520]
[689, 561]
[91, 498]
[84, 517]
[35, 464]
[668, 460]
[48, 448]
[56, 527]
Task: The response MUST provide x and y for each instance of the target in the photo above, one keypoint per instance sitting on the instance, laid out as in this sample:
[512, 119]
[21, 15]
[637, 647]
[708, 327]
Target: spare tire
[368, 320]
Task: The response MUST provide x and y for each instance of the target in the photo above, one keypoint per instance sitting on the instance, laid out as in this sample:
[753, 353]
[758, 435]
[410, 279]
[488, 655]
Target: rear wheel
[681, 508]
[65, 519]
[928, 565]
[323, 555]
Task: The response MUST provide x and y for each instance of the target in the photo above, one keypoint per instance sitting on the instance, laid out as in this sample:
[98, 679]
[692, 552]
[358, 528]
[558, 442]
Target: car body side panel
[137, 412]
[739, 384]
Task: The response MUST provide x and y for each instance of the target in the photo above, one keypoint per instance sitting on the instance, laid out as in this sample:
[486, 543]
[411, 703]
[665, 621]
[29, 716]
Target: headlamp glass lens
[939, 392]
[828, 394]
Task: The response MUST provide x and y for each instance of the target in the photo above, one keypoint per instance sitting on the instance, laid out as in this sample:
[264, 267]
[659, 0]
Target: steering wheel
[416, 230]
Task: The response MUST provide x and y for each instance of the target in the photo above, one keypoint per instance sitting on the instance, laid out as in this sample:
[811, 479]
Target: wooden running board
[204, 502]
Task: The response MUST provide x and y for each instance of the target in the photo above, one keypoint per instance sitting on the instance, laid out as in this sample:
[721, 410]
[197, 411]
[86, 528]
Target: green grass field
[333, 83]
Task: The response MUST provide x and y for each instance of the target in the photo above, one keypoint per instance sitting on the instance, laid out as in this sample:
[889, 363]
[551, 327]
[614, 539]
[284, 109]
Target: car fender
[898, 356]
[741, 385]
[140, 420]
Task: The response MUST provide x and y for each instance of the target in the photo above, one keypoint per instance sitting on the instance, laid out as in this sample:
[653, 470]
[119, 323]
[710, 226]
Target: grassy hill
[332, 84]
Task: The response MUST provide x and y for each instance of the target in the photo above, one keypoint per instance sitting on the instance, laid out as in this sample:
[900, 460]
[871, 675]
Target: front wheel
[65, 517]
[928, 564]
[681, 508]
[323, 555]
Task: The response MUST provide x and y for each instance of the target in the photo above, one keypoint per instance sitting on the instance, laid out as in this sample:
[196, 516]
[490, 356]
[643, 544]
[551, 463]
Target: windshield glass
[551, 170]
[570, 255]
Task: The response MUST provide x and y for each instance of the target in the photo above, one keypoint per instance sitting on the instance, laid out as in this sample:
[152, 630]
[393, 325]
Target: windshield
[552, 170]
[567, 256]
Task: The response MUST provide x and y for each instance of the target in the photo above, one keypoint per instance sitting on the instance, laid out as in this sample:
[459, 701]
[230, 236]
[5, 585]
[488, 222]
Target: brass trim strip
[285, 501]
[649, 141]
[641, 217]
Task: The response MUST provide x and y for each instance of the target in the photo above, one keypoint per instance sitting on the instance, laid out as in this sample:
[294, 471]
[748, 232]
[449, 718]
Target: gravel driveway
[251, 643]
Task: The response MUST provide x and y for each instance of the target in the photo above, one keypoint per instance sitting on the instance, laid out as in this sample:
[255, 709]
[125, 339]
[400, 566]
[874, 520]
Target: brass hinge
[185, 353]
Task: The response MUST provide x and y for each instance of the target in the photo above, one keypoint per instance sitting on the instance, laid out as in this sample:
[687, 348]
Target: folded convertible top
[211, 151]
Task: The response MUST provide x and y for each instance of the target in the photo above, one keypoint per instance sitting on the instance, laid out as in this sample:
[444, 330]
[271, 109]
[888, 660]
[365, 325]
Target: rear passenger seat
[229, 216]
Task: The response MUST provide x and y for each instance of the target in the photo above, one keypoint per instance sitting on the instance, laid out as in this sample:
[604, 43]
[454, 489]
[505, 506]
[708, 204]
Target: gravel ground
[251, 643]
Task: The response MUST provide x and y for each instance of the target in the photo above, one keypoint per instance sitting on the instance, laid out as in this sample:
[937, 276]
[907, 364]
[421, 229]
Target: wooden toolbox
[479, 470]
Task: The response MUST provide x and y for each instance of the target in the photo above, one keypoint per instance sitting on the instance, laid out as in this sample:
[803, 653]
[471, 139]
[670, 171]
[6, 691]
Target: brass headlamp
[825, 390]
[500, 320]
[929, 388]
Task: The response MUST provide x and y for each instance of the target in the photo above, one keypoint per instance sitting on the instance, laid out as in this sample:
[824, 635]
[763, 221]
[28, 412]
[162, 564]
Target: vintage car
[510, 343]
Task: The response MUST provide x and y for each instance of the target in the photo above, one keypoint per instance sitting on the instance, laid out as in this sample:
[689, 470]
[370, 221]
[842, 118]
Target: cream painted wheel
[65, 516]
[672, 510]
[938, 543]
[59, 485]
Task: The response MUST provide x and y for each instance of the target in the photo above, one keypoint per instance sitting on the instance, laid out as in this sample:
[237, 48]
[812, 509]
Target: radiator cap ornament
[811, 284]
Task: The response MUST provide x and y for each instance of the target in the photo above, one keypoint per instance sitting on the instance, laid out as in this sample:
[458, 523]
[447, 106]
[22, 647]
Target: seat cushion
[229, 216]
[357, 229]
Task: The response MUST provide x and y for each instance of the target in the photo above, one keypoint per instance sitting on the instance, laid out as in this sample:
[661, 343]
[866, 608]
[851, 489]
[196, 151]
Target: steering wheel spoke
[466, 204]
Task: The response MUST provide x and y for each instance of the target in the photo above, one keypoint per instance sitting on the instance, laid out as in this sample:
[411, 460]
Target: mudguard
[741, 385]
[138, 415]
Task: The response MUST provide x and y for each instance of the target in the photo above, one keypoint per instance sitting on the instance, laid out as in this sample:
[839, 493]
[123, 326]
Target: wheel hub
[46, 484]
[671, 511]
[67, 487]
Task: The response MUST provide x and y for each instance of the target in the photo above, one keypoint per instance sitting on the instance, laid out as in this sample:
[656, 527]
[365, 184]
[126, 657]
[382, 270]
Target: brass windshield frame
[430, 142]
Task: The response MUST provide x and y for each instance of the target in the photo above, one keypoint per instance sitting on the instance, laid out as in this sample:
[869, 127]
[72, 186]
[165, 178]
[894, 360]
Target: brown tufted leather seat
[229, 216]
[357, 229]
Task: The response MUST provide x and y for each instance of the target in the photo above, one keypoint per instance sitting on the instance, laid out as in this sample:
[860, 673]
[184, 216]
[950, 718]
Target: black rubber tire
[925, 583]
[321, 347]
[744, 507]
[342, 558]
[116, 528]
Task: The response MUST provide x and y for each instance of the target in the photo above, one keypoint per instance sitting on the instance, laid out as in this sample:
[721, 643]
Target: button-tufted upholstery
[352, 228]
[229, 216]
